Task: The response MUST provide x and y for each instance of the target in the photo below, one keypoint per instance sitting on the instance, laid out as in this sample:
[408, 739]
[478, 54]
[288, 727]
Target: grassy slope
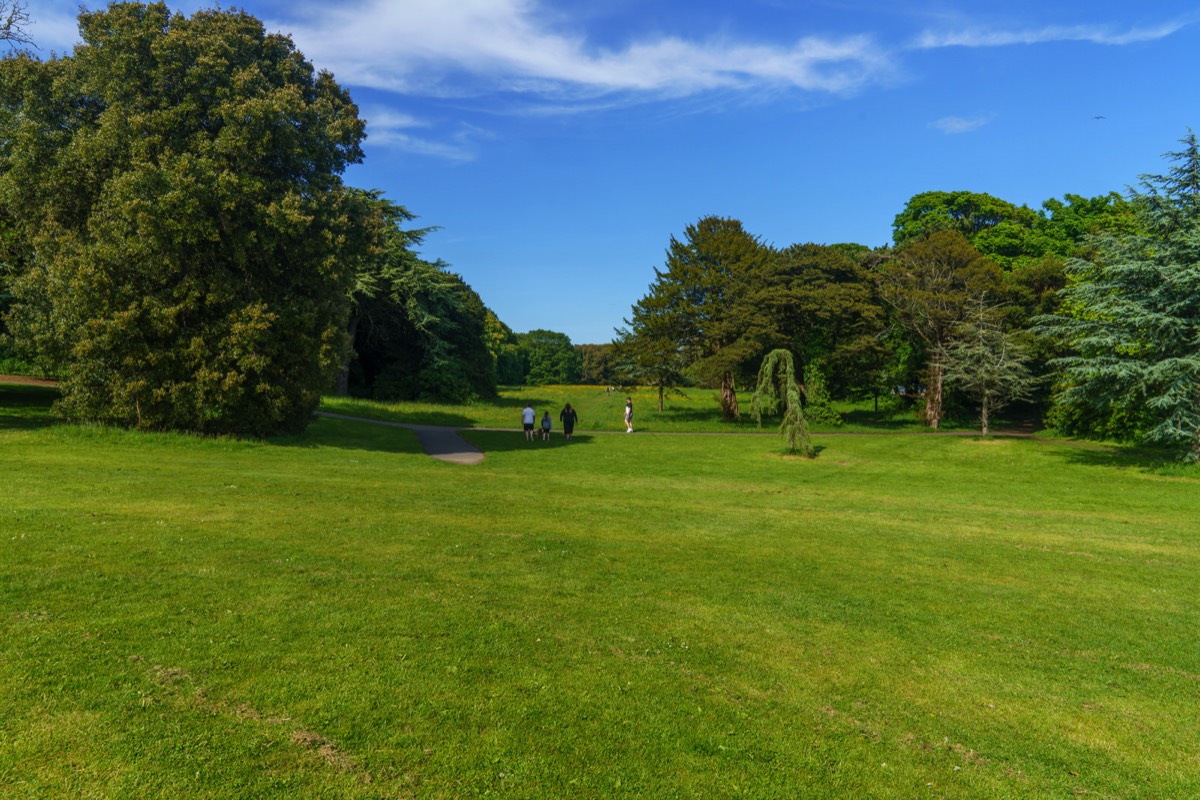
[337, 615]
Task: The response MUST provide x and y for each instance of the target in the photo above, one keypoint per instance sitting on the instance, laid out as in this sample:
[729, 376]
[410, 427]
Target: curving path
[438, 442]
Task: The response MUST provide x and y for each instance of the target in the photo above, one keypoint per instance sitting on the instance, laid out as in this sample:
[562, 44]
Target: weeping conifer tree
[776, 384]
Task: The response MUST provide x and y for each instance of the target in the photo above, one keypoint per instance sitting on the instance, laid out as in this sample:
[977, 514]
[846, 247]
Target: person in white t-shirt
[527, 418]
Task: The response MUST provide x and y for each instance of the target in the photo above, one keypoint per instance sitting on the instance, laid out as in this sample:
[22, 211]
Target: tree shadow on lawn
[1121, 457]
[351, 435]
[510, 441]
[24, 407]
[448, 419]
[882, 421]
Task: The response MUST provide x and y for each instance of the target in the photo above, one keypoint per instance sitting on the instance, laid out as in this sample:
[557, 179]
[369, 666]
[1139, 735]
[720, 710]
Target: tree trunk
[342, 384]
[933, 394]
[984, 414]
[729, 403]
[660, 398]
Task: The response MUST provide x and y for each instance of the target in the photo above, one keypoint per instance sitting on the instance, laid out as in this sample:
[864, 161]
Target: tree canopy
[175, 184]
[1132, 319]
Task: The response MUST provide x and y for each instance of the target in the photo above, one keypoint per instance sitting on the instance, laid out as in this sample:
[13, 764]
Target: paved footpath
[439, 442]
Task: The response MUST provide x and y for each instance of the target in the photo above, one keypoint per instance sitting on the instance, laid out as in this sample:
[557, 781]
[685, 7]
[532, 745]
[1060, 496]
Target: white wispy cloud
[956, 125]
[981, 37]
[433, 46]
[398, 131]
[54, 27]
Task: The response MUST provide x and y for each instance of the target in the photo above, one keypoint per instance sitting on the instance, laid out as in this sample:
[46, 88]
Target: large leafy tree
[648, 351]
[1132, 319]
[699, 306]
[552, 357]
[931, 285]
[819, 303]
[423, 338]
[597, 363]
[972, 214]
[418, 330]
[176, 181]
[512, 364]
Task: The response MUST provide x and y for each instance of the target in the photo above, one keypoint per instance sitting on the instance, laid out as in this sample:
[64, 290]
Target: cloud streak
[397, 131]
[953, 126]
[477, 46]
[975, 37]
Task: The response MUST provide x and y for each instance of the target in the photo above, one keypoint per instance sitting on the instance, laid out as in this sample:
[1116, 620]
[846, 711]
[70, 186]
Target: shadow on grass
[431, 414]
[879, 421]
[24, 408]
[1124, 457]
[505, 441]
[351, 435]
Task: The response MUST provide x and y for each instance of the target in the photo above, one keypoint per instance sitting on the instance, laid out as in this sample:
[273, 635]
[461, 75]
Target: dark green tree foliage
[931, 285]
[971, 214]
[512, 364]
[818, 302]
[176, 182]
[552, 357]
[419, 331]
[649, 351]
[777, 383]
[699, 305]
[424, 339]
[597, 365]
[1132, 319]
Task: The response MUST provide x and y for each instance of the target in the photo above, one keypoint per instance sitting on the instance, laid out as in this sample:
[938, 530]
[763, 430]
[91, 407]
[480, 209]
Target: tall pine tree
[1132, 319]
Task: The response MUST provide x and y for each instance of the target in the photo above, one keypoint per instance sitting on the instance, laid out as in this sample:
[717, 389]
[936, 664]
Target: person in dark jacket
[569, 418]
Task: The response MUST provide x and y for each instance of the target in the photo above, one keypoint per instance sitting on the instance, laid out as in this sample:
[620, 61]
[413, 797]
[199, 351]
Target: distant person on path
[546, 427]
[569, 418]
[629, 415]
[527, 418]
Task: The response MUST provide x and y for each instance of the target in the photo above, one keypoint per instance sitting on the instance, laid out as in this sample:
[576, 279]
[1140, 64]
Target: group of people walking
[568, 417]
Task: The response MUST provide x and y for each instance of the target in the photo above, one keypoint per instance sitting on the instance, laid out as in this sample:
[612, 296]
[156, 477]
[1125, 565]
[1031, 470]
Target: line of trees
[177, 244]
[1087, 309]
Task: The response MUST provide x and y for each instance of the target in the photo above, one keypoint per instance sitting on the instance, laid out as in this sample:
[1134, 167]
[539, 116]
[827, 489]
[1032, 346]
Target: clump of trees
[1130, 319]
[177, 244]
[181, 229]
[1085, 309]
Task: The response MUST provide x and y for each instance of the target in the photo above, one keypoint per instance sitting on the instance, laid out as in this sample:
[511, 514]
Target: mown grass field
[695, 410]
[336, 615]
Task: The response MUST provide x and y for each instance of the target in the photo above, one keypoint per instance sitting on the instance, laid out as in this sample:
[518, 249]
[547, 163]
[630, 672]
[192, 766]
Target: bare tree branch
[14, 22]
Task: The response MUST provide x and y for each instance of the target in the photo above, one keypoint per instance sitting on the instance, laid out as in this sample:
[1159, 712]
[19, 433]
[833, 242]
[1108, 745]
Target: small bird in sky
[1099, 117]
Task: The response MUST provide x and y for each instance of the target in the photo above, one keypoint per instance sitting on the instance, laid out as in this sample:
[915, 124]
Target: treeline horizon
[177, 244]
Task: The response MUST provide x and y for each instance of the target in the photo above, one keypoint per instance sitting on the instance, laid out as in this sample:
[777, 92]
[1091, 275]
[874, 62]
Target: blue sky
[559, 145]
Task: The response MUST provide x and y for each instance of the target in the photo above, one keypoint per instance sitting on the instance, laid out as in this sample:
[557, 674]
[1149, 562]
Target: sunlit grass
[695, 410]
[337, 615]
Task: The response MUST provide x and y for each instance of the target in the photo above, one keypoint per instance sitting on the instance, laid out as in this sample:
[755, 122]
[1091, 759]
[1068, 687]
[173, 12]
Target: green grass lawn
[695, 411]
[337, 615]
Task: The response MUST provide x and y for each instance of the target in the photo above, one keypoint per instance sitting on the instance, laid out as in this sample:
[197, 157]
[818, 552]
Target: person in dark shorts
[527, 417]
[546, 424]
[568, 418]
[629, 415]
